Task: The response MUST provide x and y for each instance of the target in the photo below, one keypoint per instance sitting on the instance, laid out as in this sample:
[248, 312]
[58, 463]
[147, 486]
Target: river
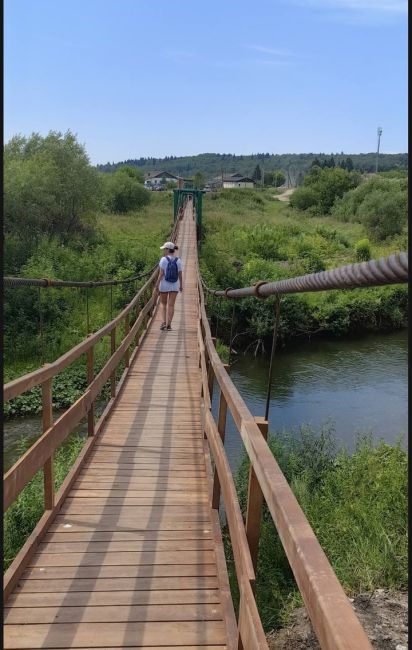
[358, 385]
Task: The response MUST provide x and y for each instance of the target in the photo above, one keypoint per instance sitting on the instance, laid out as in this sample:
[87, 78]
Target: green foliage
[363, 250]
[356, 504]
[274, 179]
[124, 191]
[68, 386]
[379, 203]
[50, 190]
[23, 515]
[211, 164]
[303, 198]
[383, 214]
[199, 181]
[322, 187]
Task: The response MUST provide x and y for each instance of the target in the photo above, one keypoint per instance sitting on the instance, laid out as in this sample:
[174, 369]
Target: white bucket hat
[170, 245]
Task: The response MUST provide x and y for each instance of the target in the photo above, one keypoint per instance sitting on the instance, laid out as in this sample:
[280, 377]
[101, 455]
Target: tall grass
[357, 506]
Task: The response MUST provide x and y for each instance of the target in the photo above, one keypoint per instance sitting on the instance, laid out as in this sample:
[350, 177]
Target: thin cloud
[399, 7]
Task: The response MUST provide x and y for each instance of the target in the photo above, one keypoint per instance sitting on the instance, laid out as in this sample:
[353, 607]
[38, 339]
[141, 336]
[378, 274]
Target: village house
[155, 179]
[231, 180]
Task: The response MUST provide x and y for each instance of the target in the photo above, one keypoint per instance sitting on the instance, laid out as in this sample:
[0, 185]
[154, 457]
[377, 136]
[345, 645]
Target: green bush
[124, 192]
[303, 198]
[363, 250]
[383, 214]
[356, 504]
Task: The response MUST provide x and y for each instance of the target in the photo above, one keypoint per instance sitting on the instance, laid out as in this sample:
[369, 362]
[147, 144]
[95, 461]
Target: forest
[214, 164]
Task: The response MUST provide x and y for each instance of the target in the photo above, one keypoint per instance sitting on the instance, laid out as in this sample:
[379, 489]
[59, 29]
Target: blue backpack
[172, 272]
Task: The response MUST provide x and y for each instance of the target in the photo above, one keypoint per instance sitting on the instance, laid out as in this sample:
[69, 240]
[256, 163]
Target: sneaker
[163, 326]
[168, 328]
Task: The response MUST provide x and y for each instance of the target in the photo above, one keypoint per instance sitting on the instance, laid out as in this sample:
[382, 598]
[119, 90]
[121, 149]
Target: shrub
[363, 250]
[124, 192]
[383, 213]
[303, 198]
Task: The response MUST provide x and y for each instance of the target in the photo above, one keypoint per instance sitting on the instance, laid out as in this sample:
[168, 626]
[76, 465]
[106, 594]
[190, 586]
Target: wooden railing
[332, 616]
[133, 320]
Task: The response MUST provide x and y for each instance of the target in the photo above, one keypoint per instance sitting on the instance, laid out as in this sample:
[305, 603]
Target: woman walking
[170, 282]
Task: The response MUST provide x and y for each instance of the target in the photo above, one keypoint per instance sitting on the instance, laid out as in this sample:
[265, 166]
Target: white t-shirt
[169, 286]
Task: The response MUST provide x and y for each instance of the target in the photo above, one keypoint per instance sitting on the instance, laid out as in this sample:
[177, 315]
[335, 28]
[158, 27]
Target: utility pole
[377, 152]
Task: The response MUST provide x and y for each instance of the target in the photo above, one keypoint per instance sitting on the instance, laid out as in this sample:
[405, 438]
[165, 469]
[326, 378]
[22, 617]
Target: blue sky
[153, 77]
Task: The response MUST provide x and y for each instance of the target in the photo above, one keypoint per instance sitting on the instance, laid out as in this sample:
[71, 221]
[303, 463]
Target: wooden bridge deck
[134, 558]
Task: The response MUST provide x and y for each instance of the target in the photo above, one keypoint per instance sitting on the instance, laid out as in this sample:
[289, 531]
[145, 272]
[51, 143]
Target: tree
[198, 181]
[349, 164]
[124, 192]
[50, 189]
[257, 174]
[274, 178]
[132, 172]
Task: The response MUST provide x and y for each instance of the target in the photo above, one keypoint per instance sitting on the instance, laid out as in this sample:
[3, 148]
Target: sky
[138, 78]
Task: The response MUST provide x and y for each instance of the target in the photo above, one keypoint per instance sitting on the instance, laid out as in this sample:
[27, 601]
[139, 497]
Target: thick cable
[386, 270]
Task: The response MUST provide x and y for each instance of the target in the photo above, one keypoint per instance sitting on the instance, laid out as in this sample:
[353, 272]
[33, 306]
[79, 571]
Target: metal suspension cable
[386, 270]
[44, 282]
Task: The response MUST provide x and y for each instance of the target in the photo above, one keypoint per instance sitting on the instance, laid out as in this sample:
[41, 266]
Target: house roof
[150, 175]
[233, 178]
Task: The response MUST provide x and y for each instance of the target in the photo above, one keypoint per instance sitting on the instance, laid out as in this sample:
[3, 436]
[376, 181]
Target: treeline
[213, 164]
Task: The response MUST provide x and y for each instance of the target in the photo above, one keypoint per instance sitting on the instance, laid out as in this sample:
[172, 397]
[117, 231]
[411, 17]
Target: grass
[23, 515]
[357, 506]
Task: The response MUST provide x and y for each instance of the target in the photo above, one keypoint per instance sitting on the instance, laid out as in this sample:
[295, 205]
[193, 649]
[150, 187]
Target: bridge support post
[112, 351]
[221, 427]
[90, 377]
[211, 374]
[126, 331]
[47, 403]
[254, 502]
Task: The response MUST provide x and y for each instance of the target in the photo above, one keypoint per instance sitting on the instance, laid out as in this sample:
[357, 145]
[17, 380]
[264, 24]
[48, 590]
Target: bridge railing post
[47, 417]
[126, 331]
[211, 374]
[90, 377]
[221, 427]
[112, 351]
[255, 502]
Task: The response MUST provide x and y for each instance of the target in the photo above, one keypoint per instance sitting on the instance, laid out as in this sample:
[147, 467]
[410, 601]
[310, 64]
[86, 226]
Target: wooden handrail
[333, 619]
[26, 382]
[37, 455]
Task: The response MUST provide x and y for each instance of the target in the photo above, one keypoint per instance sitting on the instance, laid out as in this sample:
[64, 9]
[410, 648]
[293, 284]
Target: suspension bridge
[129, 550]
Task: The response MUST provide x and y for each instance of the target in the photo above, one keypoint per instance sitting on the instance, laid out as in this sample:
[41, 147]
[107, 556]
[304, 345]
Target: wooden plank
[117, 535]
[66, 635]
[126, 545]
[92, 598]
[112, 613]
[177, 586]
[139, 558]
[42, 574]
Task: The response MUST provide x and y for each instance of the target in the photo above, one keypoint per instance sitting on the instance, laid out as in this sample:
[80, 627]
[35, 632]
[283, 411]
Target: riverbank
[356, 504]
[382, 613]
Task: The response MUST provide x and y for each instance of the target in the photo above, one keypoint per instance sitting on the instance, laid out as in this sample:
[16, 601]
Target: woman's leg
[163, 300]
[171, 306]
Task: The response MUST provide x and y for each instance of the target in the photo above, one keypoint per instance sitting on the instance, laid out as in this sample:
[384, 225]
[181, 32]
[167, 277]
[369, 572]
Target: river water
[357, 385]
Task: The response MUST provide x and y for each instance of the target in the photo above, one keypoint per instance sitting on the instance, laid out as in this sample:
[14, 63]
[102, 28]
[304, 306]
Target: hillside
[212, 164]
